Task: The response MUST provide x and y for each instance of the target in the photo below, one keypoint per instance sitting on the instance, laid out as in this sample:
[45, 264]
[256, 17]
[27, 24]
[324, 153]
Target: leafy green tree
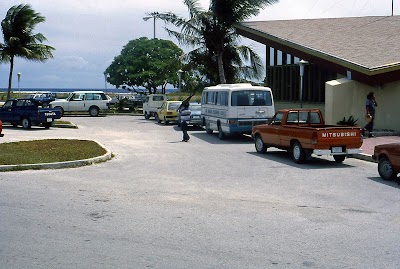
[148, 63]
[19, 39]
[217, 53]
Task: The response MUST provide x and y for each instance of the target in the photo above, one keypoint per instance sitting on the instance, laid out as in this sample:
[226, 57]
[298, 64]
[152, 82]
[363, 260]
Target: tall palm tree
[216, 44]
[19, 39]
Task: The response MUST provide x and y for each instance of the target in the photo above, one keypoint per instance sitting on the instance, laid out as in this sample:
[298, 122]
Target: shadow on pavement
[284, 157]
[390, 183]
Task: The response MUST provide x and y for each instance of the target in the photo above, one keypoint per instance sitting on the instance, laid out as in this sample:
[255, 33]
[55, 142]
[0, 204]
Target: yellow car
[168, 112]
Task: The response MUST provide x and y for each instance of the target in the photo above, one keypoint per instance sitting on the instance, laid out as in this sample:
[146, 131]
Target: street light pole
[19, 79]
[302, 63]
[146, 18]
[154, 15]
[180, 72]
[105, 81]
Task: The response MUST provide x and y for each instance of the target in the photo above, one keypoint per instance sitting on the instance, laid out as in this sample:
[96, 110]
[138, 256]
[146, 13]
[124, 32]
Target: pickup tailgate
[338, 139]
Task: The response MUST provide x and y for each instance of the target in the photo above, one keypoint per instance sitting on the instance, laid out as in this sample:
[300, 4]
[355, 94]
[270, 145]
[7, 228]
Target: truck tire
[94, 111]
[157, 118]
[146, 115]
[298, 153]
[221, 134]
[339, 158]
[61, 110]
[26, 123]
[47, 125]
[260, 145]
[385, 169]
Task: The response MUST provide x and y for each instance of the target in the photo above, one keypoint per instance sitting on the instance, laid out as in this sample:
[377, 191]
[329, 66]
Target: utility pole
[392, 7]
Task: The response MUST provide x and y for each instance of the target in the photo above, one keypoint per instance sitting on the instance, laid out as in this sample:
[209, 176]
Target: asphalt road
[162, 203]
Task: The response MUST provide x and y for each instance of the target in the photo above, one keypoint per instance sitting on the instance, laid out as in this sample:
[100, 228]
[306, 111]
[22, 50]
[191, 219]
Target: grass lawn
[48, 151]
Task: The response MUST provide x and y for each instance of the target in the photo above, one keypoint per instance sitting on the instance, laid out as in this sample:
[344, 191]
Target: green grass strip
[48, 151]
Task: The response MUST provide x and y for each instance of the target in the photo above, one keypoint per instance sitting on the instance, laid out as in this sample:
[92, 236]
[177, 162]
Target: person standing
[185, 120]
[370, 106]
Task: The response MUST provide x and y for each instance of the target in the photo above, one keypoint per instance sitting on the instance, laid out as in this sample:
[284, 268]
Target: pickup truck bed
[303, 132]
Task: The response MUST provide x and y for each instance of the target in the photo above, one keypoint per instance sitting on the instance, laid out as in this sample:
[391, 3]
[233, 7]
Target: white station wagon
[86, 101]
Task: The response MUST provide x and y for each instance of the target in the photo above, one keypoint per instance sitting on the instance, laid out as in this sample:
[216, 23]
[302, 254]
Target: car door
[77, 102]
[271, 134]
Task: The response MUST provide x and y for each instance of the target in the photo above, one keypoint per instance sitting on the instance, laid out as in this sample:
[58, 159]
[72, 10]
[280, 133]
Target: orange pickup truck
[303, 132]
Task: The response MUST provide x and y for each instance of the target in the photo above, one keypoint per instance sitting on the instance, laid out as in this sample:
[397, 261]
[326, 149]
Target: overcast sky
[88, 34]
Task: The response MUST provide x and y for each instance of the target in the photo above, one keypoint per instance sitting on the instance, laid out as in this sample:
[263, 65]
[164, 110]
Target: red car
[388, 158]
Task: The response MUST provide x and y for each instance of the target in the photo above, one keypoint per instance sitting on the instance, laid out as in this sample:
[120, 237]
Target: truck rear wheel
[146, 116]
[298, 153]
[260, 145]
[26, 123]
[221, 134]
[339, 158]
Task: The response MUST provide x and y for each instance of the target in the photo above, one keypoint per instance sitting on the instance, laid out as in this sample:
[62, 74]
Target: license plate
[337, 149]
[49, 120]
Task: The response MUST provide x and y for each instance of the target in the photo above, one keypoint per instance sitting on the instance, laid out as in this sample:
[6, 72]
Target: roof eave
[320, 54]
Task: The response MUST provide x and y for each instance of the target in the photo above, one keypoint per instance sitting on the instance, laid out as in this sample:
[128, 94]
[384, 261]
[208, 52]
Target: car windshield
[173, 106]
[195, 107]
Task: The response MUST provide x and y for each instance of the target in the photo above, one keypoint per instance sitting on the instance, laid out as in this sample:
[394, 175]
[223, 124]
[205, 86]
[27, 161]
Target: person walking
[185, 120]
[370, 106]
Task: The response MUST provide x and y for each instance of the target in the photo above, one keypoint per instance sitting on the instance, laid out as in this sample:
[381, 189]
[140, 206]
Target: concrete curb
[58, 165]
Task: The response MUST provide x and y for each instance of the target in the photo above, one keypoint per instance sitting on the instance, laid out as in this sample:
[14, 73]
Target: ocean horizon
[64, 90]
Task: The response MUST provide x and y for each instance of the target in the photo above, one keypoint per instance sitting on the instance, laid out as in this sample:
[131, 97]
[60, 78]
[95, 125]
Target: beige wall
[345, 97]
[283, 105]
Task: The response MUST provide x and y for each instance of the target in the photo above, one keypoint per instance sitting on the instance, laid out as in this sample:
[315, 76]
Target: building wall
[344, 98]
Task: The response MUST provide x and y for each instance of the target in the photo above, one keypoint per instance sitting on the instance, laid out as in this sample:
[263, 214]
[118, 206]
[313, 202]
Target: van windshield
[251, 98]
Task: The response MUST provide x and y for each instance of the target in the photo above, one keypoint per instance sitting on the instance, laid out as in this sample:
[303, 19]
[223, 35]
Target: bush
[349, 122]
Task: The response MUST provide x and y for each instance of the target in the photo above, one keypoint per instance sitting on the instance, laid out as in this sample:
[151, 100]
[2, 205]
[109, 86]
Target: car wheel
[61, 110]
[385, 169]
[26, 123]
[339, 158]
[298, 154]
[146, 116]
[157, 118]
[221, 134]
[260, 145]
[93, 111]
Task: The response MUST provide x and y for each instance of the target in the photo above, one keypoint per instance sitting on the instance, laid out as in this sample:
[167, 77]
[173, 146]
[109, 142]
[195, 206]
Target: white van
[152, 103]
[87, 101]
[235, 108]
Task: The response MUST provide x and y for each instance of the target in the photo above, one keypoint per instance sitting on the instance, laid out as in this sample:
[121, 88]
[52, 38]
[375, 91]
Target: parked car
[152, 103]
[303, 132]
[195, 116]
[26, 112]
[43, 98]
[388, 158]
[168, 112]
[86, 101]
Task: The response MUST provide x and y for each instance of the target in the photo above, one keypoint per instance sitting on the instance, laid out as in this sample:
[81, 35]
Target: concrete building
[347, 58]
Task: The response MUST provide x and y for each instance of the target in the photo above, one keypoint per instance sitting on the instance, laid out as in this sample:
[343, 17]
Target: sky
[87, 35]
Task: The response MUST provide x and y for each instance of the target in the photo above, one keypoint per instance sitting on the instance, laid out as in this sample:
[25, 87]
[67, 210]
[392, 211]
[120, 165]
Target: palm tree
[19, 39]
[217, 52]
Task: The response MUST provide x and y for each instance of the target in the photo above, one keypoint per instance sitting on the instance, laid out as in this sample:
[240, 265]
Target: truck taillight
[314, 138]
[169, 113]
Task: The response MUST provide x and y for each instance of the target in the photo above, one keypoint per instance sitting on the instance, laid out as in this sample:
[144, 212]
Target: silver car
[195, 116]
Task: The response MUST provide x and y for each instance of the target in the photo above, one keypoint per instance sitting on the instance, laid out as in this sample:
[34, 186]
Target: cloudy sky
[88, 34]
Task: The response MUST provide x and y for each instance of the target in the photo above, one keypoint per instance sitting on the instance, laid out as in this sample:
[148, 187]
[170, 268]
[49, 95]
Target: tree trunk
[221, 70]
[10, 77]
